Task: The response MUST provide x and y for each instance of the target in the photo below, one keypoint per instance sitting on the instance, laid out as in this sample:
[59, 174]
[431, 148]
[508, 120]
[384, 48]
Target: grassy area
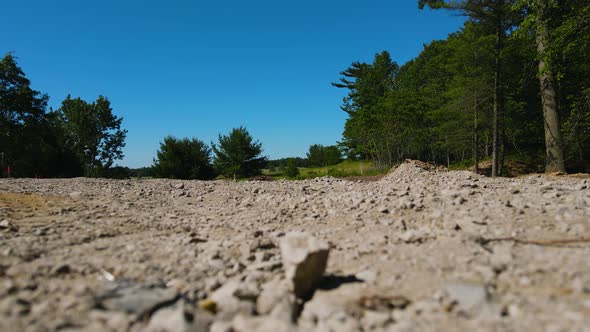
[347, 168]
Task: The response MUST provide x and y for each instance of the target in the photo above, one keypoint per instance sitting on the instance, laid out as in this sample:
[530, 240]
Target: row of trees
[235, 155]
[85, 139]
[79, 138]
[514, 79]
[319, 155]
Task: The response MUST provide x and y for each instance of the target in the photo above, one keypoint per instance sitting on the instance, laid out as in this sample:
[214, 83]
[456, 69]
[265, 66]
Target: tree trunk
[497, 98]
[553, 149]
[487, 145]
[502, 151]
[475, 155]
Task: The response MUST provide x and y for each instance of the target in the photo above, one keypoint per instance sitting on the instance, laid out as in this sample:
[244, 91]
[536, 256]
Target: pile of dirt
[412, 168]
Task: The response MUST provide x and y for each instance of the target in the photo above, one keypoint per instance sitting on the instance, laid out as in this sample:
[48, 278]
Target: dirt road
[421, 249]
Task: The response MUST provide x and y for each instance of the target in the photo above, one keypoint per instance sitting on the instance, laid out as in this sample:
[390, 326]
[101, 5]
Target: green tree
[238, 155]
[332, 155]
[316, 155]
[291, 170]
[368, 87]
[537, 20]
[93, 132]
[497, 16]
[560, 31]
[183, 159]
[568, 50]
[31, 140]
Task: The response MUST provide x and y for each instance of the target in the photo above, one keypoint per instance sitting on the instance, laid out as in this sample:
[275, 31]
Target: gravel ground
[422, 249]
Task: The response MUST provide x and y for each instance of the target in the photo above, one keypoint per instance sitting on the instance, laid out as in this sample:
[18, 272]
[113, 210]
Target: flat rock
[136, 299]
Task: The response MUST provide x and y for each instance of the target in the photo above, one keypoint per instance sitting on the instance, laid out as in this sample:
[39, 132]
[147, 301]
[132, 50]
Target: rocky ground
[419, 250]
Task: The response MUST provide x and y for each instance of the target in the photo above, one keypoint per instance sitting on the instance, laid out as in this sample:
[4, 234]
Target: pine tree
[238, 155]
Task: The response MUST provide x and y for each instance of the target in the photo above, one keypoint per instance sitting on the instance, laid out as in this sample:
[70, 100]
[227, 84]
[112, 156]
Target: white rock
[260, 324]
[304, 259]
[5, 224]
[169, 319]
[375, 319]
[273, 294]
[228, 305]
[221, 326]
[501, 257]
[468, 296]
[412, 236]
[367, 276]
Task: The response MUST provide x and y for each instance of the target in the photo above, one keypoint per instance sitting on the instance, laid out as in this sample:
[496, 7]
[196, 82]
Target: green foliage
[315, 155]
[346, 168]
[319, 155]
[237, 154]
[78, 138]
[368, 86]
[31, 140]
[142, 172]
[282, 163]
[439, 107]
[93, 132]
[333, 155]
[117, 172]
[183, 159]
[291, 171]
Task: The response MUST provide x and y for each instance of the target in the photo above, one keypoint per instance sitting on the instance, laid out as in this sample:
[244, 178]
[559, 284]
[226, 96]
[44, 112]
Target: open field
[347, 168]
[419, 250]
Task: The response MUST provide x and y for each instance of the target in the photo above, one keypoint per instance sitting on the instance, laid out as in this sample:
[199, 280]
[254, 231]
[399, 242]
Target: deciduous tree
[93, 132]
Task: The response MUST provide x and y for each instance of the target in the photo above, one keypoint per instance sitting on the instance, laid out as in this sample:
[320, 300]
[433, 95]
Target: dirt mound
[412, 168]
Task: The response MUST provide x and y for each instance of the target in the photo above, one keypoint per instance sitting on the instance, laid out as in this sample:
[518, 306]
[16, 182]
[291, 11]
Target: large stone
[304, 259]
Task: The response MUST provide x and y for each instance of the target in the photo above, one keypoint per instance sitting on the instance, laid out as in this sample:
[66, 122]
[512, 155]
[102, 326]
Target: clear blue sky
[199, 68]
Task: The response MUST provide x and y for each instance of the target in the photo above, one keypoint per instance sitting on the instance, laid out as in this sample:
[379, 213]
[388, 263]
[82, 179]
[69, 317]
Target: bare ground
[420, 249]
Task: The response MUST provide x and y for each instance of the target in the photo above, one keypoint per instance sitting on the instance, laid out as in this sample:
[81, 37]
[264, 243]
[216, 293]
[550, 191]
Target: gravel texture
[422, 249]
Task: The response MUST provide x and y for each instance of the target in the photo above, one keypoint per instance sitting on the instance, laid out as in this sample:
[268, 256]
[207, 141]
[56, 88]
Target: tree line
[84, 138]
[514, 80]
[79, 139]
[236, 155]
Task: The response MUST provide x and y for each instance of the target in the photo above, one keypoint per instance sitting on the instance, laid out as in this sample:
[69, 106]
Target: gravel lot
[422, 249]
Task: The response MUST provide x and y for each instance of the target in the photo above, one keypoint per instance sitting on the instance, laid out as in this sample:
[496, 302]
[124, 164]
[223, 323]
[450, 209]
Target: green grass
[347, 168]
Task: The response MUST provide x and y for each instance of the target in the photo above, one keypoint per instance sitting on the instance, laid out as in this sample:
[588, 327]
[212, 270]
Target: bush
[183, 159]
[291, 171]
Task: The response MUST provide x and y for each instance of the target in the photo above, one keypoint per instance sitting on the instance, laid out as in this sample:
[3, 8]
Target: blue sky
[199, 68]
